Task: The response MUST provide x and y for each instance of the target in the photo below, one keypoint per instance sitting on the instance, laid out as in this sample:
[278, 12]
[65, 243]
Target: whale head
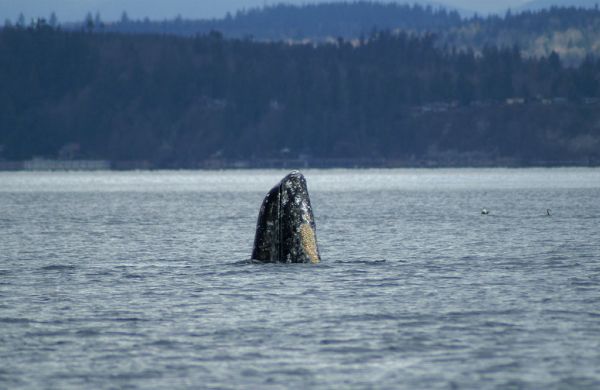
[286, 231]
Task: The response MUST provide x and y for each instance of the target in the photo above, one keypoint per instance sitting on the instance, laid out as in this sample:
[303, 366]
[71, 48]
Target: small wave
[58, 267]
[348, 350]
[366, 262]
[301, 372]
[87, 332]
[367, 317]
[42, 333]
[583, 282]
[335, 341]
[450, 277]
[11, 320]
[261, 263]
[246, 262]
[134, 276]
[322, 263]
[132, 376]
[566, 313]
[167, 344]
[478, 313]
[127, 319]
[503, 367]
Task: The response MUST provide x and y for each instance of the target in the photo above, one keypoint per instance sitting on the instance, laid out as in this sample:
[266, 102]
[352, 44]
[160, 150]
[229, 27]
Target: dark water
[138, 280]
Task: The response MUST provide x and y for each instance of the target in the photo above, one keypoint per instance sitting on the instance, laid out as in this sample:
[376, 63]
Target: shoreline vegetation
[87, 99]
[46, 165]
[573, 32]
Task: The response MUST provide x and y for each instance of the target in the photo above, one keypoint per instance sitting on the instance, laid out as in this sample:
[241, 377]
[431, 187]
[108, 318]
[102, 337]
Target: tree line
[176, 101]
[572, 32]
[296, 22]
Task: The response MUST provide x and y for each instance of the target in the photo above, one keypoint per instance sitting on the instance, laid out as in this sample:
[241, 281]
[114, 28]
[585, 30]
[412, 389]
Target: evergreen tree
[53, 21]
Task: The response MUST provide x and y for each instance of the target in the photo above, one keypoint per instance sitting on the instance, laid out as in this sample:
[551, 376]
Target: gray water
[140, 280]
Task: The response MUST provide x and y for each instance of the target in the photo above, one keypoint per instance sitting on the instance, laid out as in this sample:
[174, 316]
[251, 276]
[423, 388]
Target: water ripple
[132, 280]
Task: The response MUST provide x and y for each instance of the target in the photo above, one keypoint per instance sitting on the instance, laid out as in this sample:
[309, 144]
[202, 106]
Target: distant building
[515, 100]
[69, 151]
[437, 107]
[38, 164]
[591, 100]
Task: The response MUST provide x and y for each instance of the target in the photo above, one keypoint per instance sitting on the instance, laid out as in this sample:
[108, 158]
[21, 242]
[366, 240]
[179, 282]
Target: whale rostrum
[286, 231]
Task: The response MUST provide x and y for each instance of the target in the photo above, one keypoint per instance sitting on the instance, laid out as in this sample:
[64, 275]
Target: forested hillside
[572, 32]
[310, 21]
[545, 4]
[176, 102]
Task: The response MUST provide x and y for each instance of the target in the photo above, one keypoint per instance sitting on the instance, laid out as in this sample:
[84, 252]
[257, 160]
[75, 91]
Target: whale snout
[286, 231]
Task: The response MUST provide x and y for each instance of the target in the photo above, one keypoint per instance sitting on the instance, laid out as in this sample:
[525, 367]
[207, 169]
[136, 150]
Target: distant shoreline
[48, 165]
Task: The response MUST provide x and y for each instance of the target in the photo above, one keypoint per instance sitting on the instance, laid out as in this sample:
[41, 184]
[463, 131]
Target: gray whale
[286, 231]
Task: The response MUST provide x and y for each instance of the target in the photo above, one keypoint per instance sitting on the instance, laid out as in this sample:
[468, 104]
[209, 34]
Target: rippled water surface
[139, 280]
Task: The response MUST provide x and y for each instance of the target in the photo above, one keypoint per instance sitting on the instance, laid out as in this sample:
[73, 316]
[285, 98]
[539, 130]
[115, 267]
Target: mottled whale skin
[285, 231]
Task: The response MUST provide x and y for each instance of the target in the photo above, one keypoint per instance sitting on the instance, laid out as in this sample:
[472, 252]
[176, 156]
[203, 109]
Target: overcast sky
[69, 10]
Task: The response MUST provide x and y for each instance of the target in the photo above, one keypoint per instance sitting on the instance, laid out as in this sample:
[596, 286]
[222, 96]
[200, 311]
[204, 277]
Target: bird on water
[485, 211]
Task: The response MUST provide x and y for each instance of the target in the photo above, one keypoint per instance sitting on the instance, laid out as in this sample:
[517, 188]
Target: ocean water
[141, 280]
